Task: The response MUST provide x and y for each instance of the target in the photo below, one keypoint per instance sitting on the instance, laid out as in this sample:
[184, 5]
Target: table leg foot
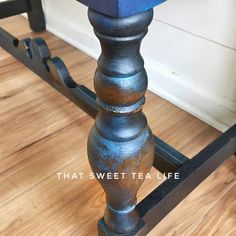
[103, 230]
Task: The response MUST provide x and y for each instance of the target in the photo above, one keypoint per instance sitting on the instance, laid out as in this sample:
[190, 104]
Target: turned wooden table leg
[36, 16]
[120, 141]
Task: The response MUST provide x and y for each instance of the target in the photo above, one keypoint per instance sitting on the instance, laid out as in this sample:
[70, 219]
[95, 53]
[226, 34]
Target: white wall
[190, 52]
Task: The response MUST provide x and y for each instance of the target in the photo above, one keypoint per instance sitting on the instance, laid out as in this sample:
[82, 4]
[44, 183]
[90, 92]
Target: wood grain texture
[43, 133]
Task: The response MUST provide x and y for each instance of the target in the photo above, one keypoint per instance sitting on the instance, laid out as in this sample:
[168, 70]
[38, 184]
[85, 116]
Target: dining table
[120, 143]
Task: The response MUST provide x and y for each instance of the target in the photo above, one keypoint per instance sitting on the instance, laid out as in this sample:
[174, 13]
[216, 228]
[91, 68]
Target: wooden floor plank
[222, 217]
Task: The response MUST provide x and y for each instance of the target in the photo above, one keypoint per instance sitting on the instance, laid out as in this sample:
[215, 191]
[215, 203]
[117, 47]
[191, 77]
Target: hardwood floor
[42, 134]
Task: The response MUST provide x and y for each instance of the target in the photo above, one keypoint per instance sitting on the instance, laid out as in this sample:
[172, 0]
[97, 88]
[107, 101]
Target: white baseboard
[163, 81]
[195, 100]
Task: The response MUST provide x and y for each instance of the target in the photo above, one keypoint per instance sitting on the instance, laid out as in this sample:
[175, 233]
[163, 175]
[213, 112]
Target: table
[120, 142]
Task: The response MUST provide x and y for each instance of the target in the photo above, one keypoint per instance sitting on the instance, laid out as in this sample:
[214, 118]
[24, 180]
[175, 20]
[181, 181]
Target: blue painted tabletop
[121, 8]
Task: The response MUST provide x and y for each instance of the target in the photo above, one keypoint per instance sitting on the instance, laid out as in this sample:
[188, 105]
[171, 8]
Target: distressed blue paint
[114, 152]
[121, 8]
